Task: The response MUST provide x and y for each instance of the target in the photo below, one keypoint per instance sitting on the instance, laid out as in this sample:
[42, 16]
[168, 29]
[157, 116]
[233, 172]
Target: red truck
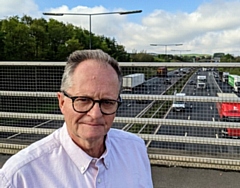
[229, 111]
[162, 72]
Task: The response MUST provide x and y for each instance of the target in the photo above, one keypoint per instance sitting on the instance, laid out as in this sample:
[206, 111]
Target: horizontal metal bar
[191, 140]
[129, 96]
[195, 159]
[178, 122]
[153, 121]
[31, 63]
[31, 116]
[12, 146]
[197, 162]
[174, 97]
[128, 64]
[28, 94]
[26, 130]
[179, 64]
[8, 151]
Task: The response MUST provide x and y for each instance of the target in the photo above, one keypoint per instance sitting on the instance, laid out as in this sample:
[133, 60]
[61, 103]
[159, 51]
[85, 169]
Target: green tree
[227, 58]
[142, 57]
[17, 43]
[37, 39]
[65, 49]
[2, 36]
[57, 35]
[39, 36]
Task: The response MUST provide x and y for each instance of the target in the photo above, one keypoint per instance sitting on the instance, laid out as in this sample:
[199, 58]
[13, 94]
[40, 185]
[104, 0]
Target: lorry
[179, 105]
[201, 81]
[234, 82]
[162, 72]
[229, 111]
[132, 80]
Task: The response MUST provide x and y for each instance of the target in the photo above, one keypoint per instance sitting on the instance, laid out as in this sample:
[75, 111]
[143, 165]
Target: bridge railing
[29, 111]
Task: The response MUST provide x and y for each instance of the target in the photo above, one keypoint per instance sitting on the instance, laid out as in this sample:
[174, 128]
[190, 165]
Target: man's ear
[60, 100]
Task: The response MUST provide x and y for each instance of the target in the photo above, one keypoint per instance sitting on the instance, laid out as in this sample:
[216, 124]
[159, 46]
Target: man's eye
[83, 100]
[108, 102]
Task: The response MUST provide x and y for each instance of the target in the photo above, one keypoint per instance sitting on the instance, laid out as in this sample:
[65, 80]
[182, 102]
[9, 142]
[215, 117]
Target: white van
[179, 105]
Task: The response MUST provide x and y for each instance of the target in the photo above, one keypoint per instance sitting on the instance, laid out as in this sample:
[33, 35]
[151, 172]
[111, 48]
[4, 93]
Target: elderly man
[86, 151]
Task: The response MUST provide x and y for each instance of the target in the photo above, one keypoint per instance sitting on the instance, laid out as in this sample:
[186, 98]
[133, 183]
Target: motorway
[157, 86]
[201, 112]
[194, 111]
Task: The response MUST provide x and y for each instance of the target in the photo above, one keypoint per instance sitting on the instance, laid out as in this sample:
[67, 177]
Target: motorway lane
[199, 111]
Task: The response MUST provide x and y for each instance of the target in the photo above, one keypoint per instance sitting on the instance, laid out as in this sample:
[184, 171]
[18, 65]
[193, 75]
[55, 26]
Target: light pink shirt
[57, 162]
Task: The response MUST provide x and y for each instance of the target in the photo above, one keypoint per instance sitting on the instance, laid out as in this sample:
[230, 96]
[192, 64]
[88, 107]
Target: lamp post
[166, 45]
[181, 51]
[90, 18]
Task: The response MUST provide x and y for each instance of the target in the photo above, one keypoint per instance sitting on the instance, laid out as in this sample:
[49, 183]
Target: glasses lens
[84, 104]
[109, 106]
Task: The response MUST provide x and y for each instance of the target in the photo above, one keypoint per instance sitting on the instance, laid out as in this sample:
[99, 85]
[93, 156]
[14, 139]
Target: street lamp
[181, 51]
[166, 45]
[90, 16]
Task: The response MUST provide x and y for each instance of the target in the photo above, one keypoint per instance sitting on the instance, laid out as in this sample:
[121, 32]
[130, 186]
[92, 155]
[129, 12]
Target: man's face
[95, 80]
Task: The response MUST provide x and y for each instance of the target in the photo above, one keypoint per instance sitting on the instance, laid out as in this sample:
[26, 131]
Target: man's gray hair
[81, 55]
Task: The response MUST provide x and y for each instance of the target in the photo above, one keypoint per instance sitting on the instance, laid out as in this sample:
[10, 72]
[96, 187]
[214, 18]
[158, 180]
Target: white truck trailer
[201, 81]
[234, 82]
[132, 80]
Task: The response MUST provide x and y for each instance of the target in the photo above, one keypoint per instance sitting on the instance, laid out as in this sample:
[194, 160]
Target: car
[191, 82]
[167, 81]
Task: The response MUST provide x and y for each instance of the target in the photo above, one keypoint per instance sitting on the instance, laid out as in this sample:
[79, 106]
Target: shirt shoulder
[31, 153]
[123, 136]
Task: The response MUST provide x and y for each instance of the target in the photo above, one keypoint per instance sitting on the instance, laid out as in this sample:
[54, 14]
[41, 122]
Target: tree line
[31, 39]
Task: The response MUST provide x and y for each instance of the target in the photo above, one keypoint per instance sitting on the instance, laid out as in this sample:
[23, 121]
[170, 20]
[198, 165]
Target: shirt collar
[81, 159]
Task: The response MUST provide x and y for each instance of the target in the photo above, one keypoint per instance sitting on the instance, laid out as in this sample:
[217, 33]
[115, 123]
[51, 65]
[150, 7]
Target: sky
[200, 26]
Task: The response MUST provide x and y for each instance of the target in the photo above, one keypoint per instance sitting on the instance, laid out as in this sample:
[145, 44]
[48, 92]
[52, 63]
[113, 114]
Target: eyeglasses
[85, 104]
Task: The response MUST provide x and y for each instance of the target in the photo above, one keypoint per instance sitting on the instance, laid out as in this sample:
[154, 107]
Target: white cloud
[100, 24]
[10, 8]
[212, 27]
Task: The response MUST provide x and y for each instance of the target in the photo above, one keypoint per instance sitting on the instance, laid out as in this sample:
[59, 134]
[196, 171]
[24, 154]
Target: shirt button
[99, 180]
[107, 165]
[82, 168]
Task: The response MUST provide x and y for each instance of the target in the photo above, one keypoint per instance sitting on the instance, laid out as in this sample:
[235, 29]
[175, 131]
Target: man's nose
[95, 111]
